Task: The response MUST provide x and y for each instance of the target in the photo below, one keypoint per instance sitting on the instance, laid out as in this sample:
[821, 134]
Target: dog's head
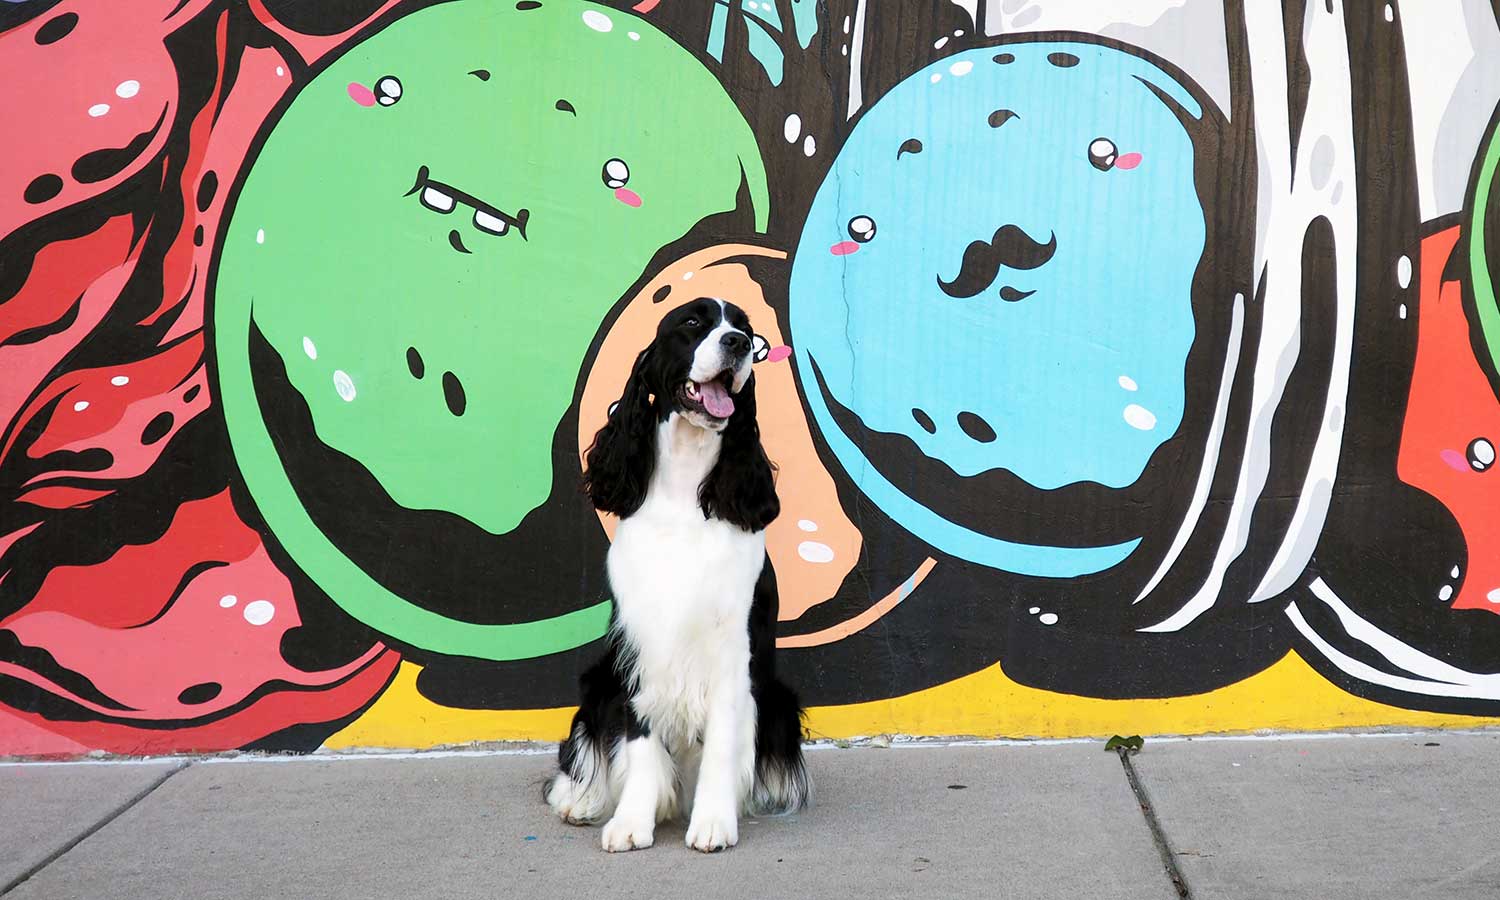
[699, 368]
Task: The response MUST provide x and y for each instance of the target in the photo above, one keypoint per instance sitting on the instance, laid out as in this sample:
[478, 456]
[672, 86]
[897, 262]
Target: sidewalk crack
[89, 832]
[1158, 836]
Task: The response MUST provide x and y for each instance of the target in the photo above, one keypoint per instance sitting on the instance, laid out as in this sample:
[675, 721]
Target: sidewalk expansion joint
[118, 811]
[1158, 837]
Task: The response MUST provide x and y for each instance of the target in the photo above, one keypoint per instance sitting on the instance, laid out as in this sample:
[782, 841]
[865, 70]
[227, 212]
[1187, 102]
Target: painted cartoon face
[427, 244]
[996, 276]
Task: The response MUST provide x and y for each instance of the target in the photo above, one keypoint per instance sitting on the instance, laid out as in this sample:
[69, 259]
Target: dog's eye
[760, 348]
[1481, 454]
[862, 229]
[691, 322]
[1102, 154]
[616, 174]
[387, 90]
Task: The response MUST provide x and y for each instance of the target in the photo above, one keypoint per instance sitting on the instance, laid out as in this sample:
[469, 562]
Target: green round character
[420, 258]
[1482, 232]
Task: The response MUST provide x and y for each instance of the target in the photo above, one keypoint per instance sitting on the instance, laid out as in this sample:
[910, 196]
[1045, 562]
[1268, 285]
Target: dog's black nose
[736, 343]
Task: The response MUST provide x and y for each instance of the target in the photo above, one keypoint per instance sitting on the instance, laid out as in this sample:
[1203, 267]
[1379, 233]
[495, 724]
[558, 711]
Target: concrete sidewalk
[1374, 816]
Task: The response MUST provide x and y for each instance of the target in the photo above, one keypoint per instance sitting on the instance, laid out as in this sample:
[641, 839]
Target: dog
[684, 713]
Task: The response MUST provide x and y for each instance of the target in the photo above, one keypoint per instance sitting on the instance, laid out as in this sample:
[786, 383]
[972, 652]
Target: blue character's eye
[1102, 154]
[862, 229]
[387, 90]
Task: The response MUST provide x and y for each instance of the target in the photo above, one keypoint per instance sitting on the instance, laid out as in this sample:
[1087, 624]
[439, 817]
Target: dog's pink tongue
[715, 399]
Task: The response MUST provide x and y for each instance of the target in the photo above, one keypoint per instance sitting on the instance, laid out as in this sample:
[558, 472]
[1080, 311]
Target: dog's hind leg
[580, 792]
[781, 784]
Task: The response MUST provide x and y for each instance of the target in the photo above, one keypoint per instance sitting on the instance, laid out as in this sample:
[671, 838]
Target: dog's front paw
[623, 834]
[711, 832]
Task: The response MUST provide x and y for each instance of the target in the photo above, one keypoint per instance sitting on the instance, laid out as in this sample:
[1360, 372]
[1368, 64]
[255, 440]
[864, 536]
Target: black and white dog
[684, 712]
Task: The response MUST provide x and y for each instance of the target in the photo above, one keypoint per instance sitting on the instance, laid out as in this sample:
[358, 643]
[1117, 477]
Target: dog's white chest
[683, 589]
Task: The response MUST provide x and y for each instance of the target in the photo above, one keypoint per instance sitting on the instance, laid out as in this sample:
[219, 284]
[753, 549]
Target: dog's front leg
[725, 771]
[646, 794]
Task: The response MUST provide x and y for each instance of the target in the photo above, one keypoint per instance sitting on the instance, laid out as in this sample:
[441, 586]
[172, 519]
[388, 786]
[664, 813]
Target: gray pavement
[1367, 817]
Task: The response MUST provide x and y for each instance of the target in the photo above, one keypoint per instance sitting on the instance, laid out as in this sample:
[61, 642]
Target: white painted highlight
[80, 406]
[1047, 618]
[1445, 593]
[260, 235]
[127, 89]
[259, 612]
[807, 525]
[815, 552]
[809, 146]
[120, 380]
[1403, 271]
[98, 109]
[856, 59]
[598, 21]
[960, 69]
[1139, 417]
[344, 385]
[792, 128]
[309, 348]
[1128, 383]
[228, 600]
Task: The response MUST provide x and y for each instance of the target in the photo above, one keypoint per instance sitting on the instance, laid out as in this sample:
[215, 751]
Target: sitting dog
[684, 712]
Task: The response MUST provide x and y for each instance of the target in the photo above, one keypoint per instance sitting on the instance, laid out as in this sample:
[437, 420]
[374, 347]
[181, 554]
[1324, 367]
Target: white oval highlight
[280, 72]
[228, 600]
[1454, 573]
[259, 612]
[936, 77]
[1034, 610]
[344, 385]
[127, 89]
[940, 43]
[1047, 618]
[807, 525]
[260, 235]
[598, 21]
[1445, 593]
[80, 406]
[1484, 452]
[309, 348]
[960, 69]
[1402, 311]
[792, 129]
[1493, 596]
[809, 146]
[120, 380]
[814, 552]
[633, 35]
[1403, 271]
[1128, 383]
[1139, 417]
[98, 109]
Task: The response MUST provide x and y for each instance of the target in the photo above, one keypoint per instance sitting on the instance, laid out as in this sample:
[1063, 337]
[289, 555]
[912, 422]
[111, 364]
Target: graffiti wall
[1128, 367]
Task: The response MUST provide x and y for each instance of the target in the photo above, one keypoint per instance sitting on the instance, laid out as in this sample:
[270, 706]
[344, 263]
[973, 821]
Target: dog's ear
[742, 487]
[617, 470]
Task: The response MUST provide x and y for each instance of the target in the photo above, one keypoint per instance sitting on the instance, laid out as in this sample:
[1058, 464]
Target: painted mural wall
[1129, 367]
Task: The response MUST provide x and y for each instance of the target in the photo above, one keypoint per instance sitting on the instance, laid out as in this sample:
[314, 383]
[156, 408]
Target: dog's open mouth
[712, 397]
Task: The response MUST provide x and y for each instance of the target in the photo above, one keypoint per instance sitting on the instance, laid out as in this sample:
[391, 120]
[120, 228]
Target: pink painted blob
[1455, 460]
[1128, 161]
[361, 94]
[843, 248]
[777, 354]
[628, 197]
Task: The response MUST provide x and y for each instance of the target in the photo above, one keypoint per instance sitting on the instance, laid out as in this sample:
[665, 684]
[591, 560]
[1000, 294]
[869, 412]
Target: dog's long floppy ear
[617, 470]
[741, 488]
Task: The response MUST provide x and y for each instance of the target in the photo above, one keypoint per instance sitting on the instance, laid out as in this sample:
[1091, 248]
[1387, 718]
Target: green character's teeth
[436, 200]
[493, 224]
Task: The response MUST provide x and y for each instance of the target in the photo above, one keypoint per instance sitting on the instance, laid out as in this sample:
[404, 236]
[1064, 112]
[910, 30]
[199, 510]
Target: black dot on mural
[662, 293]
[453, 392]
[414, 363]
[200, 693]
[198, 236]
[566, 107]
[191, 393]
[43, 188]
[1062, 60]
[975, 427]
[481, 74]
[56, 29]
[1001, 116]
[156, 429]
[910, 145]
[1005, 59]
[528, 4]
[924, 420]
[207, 187]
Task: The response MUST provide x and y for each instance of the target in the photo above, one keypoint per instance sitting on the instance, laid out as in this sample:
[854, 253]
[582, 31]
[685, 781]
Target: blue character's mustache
[982, 260]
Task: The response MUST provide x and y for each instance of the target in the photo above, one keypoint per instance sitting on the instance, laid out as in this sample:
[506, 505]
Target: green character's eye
[616, 174]
[387, 90]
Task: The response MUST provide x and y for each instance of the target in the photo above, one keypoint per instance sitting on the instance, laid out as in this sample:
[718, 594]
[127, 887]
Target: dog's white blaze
[710, 359]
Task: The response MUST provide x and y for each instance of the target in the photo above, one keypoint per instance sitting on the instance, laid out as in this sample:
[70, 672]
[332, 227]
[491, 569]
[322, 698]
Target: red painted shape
[1450, 404]
[645, 6]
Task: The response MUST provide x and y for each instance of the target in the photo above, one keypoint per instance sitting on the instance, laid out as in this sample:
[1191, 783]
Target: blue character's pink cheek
[843, 248]
[1128, 161]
